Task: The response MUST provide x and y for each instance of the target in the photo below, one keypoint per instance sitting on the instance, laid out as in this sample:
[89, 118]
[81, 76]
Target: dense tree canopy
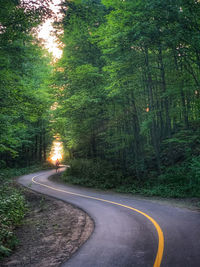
[24, 72]
[128, 83]
[125, 94]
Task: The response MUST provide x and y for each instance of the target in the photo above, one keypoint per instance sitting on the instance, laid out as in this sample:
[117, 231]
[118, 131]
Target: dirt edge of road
[51, 232]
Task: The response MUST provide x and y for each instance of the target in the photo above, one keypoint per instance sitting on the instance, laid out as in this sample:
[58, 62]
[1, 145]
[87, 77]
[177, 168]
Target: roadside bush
[12, 211]
[8, 173]
[92, 173]
[194, 168]
[180, 180]
[12, 207]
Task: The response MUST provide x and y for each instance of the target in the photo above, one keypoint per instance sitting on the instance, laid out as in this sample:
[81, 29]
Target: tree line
[127, 85]
[25, 85]
[125, 96]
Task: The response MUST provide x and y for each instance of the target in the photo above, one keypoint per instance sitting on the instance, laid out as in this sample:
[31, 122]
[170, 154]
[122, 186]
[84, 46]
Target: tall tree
[138, 61]
[24, 85]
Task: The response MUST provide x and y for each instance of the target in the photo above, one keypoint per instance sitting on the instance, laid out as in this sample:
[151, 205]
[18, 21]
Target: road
[129, 231]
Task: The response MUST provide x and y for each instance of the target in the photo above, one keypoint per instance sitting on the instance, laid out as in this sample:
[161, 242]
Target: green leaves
[24, 89]
[12, 211]
[128, 84]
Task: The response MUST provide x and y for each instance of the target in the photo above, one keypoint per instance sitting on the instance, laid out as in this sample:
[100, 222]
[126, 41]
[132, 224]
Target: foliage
[24, 87]
[126, 92]
[181, 180]
[13, 206]
[7, 173]
[12, 211]
[24, 102]
[92, 173]
[127, 88]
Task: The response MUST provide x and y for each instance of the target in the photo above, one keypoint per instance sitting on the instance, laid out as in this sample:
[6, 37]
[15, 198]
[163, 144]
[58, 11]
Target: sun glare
[56, 151]
[46, 32]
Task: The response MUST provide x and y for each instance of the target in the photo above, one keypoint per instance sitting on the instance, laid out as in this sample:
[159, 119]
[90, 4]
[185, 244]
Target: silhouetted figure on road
[57, 165]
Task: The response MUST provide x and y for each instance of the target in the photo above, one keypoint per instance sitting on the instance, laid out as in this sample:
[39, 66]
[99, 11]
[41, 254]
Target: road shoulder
[52, 231]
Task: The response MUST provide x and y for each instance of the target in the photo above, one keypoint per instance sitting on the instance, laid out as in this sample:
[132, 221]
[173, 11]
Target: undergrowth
[13, 207]
[97, 174]
[12, 211]
[181, 180]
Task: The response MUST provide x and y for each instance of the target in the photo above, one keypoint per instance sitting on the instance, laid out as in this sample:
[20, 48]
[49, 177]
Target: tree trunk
[166, 101]
[153, 130]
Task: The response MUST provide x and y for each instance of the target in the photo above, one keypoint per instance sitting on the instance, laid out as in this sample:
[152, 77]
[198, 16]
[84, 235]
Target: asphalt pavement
[129, 231]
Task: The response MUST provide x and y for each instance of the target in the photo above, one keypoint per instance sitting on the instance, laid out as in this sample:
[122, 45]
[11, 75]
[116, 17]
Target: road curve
[128, 231]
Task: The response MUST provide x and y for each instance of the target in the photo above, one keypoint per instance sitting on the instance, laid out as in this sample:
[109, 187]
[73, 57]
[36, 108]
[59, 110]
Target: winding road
[129, 231]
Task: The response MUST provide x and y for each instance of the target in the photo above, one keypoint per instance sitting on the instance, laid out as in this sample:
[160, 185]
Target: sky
[45, 32]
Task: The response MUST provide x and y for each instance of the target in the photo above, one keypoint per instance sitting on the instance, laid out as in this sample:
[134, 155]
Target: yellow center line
[160, 250]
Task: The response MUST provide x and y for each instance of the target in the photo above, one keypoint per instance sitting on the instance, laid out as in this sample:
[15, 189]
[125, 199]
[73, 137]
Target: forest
[25, 86]
[127, 88]
[124, 98]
